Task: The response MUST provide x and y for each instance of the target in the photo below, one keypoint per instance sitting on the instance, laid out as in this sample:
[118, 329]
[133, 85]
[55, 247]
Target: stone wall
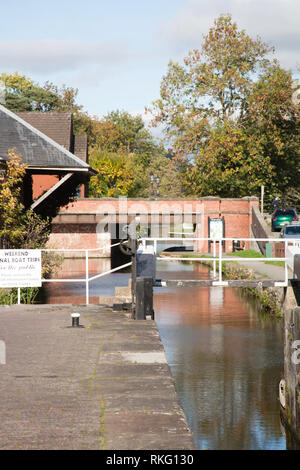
[260, 229]
[291, 384]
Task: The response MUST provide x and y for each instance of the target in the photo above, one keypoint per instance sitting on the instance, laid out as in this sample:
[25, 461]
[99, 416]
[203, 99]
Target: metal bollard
[75, 319]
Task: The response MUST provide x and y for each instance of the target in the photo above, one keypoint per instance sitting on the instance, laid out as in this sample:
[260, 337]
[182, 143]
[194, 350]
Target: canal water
[226, 357]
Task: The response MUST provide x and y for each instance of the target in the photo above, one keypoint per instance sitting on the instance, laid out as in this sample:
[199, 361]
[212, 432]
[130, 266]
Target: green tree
[124, 152]
[208, 108]
[23, 94]
[272, 117]
[161, 165]
[119, 131]
[233, 165]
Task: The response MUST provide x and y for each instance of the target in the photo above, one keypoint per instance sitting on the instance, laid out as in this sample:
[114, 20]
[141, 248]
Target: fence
[217, 256]
[86, 279]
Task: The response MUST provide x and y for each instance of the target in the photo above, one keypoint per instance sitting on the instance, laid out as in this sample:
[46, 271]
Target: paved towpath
[261, 269]
[105, 386]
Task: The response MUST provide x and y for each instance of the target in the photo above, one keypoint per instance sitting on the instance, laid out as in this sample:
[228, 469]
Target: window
[293, 230]
[287, 212]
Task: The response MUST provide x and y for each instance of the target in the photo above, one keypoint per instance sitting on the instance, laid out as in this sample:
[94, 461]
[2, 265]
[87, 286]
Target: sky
[116, 52]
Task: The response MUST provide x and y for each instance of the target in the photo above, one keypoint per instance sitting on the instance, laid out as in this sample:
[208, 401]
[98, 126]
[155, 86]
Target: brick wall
[237, 214]
[41, 183]
[81, 147]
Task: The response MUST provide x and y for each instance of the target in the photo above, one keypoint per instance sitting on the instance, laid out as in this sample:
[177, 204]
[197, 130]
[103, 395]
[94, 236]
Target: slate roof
[36, 148]
[56, 125]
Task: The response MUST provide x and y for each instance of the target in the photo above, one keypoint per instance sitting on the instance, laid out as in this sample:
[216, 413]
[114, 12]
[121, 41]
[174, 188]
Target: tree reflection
[227, 363]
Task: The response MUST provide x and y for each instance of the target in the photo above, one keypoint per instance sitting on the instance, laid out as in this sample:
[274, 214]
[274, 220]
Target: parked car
[281, 217]
[290, 231]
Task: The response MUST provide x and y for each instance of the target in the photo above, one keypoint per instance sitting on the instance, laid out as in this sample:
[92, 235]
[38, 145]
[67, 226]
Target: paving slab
[106, 385]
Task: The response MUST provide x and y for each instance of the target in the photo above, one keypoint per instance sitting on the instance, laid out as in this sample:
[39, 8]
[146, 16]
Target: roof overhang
[59, 194]
[38, 170]
[50, 191]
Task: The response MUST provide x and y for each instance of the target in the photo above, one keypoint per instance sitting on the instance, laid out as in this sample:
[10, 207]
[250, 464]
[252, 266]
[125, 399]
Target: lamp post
[157, 185]
[151, 184]
[157, 181]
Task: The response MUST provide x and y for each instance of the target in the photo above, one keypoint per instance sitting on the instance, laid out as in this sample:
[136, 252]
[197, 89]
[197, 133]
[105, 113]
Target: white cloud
[275, 21]
[52, 56]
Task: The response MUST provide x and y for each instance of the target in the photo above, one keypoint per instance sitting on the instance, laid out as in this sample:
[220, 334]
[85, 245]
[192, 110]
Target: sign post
[216, 231]
[20, 268]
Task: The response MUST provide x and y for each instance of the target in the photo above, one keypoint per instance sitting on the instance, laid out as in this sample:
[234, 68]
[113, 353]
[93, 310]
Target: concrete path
[105, 386]
[262, 270]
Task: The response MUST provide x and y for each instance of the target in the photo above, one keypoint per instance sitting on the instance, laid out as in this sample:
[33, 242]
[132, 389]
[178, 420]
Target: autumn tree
[234, 165]
[19, 228]
[122, 174]
[272, 118]
[123, 151]
[114, 177]
[210, 105]
[119, 131]
[120, 146]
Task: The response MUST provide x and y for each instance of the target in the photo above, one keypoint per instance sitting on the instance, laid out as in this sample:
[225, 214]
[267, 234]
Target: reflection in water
[227, 363]
[226, 359]
[76, 266]
[75, 293]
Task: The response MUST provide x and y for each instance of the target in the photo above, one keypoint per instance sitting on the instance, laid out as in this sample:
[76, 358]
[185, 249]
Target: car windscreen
[293, 230]
[285, 213]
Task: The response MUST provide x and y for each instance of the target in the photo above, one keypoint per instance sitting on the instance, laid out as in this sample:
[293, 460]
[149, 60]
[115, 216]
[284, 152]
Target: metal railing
[218, 258]
[86, 279]
[292, 246]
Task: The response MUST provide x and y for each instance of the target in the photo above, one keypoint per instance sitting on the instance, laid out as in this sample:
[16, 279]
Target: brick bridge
[95, 223]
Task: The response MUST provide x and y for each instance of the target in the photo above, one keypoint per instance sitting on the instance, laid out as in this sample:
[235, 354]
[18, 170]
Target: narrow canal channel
[226, 358]
[227, 361]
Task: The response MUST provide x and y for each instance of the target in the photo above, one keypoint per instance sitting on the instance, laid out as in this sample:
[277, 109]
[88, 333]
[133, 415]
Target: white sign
[20, 268]
[216, 228]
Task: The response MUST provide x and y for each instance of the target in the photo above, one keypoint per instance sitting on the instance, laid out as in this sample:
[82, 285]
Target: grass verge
[10, 296]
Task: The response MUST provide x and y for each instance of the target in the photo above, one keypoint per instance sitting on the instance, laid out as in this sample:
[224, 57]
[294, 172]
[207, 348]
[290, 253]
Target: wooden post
[144, 298]
[143, 279]
[133, 246]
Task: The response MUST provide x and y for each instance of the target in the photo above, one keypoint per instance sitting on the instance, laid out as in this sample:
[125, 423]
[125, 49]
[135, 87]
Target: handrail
[78, 250]
[155, 240]
[216, 239]
[87, 279]
[219, 258]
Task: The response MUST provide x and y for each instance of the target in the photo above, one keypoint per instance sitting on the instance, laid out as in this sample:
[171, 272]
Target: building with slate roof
[57, 163]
